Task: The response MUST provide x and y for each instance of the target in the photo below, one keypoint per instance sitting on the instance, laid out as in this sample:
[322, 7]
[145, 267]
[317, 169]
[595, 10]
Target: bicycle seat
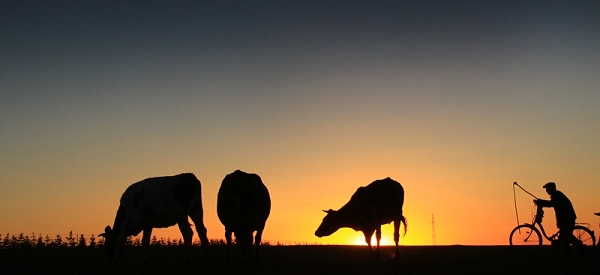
[597, 214]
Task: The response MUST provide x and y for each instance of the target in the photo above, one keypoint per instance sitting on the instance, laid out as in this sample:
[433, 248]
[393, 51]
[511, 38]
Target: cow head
[330, 224]
[110, 241]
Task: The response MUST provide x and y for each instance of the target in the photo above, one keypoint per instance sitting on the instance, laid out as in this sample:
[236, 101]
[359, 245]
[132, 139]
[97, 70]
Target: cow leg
[243, 241]
[378, 237]
[228, 239]
[146, 243]
[368, 236]
[397, 236]
[257, 241]
[248, 246]
[201, 230]
[119, 248]
[187, 233]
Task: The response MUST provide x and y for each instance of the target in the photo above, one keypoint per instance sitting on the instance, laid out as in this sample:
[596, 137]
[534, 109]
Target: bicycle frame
[537, 220]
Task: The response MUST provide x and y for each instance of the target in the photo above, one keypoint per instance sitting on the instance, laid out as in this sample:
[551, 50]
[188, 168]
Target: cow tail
[405, 222]
[192, 207]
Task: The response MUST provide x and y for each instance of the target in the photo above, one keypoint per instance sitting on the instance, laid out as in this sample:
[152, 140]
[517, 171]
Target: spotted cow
[157, 203]
[370, 207]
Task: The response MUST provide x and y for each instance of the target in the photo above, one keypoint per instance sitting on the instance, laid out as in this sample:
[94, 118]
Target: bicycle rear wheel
[586, 236]
[525, 239]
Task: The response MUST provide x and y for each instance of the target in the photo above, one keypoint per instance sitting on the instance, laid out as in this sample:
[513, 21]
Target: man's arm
[543, 203]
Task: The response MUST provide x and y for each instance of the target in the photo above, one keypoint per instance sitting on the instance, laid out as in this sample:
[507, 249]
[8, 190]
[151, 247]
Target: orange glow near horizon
[460, 217]
[383, 242]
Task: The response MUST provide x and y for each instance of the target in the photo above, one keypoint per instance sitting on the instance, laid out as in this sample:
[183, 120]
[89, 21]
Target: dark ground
[305, 259]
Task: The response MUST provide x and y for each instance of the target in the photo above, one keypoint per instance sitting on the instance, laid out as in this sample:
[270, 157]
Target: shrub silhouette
[79, 241]
[92, 242]
[71, 240]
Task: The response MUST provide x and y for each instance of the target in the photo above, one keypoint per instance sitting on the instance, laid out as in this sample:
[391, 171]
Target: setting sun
[360, 240]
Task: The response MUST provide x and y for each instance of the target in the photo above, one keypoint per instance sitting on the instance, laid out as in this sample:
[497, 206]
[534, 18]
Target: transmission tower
[433, 241]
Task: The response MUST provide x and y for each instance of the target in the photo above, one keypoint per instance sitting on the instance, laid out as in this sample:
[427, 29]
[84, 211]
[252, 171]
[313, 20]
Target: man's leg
[566, 237]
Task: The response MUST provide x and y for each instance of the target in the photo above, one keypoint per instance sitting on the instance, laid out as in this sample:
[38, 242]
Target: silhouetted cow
[378, 203]
[157, 203]
[243, 206]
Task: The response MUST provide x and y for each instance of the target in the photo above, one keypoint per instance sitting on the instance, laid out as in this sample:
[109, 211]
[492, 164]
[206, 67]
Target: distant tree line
[71, 241]
[23, 241]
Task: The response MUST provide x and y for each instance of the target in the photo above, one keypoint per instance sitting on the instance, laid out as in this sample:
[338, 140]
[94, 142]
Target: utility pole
[433, 241]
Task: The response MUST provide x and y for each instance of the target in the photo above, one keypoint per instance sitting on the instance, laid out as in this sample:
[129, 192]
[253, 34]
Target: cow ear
[328, 211]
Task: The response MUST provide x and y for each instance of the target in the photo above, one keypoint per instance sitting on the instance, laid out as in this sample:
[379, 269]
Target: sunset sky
[456, 100]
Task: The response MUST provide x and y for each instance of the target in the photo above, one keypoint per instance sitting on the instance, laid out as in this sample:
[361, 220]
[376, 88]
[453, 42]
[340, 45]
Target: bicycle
[525, 239]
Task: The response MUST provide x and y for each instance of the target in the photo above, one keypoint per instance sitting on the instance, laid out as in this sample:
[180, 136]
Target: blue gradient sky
[454, 99]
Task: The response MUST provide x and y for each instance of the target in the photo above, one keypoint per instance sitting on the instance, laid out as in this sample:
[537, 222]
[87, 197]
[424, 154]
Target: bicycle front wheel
[525, 239]
[586, 236]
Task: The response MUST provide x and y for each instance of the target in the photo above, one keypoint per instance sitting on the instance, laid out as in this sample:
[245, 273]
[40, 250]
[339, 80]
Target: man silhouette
[565, 217]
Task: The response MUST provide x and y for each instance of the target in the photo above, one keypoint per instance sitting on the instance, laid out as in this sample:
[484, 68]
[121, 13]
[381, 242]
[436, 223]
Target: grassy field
[305, 259]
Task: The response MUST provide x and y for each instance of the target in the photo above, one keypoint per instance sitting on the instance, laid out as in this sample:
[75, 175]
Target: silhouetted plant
[160, 242]
[217, 242]
[70, 240]
[92, 242]
[278, 243]
[21, 241]
[9, 242]
[58, 242]
[48, 241]
[40, 242]
[129, 241]
[136, 242]
[154, 241]
[82, 243]
[101, 242]
[6, 241]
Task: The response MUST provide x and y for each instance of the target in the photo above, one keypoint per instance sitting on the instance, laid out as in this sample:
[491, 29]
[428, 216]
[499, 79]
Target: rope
[515, 183]
[515, 199]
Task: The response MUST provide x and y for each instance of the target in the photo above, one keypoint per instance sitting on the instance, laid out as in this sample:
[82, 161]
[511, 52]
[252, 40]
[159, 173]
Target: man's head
[550, 188]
